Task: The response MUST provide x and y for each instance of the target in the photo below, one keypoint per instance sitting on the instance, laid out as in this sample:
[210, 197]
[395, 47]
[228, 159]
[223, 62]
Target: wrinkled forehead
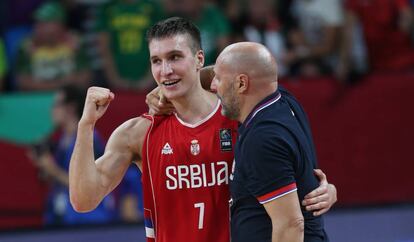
[162, 46]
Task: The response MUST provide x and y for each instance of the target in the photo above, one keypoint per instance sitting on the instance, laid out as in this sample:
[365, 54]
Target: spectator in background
[213, 25]
[16, 24]
[261, 24]
[387, 27]
[122, 25]
[3, 65]
[52, 56]
[314, 44]
[52, 159]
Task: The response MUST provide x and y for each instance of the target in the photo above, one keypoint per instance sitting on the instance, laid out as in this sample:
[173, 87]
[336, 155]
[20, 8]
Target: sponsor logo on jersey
[197, 175]
[166, 150]
[195, 147]
[225, 140]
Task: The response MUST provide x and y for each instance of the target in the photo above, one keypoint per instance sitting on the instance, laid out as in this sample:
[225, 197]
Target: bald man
[274, 155]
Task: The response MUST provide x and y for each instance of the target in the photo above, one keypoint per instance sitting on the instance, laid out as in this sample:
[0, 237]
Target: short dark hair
[175, 26]
[74, 95]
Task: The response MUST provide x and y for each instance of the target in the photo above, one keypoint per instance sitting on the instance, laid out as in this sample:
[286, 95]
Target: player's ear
[242, 83]
[200, 59]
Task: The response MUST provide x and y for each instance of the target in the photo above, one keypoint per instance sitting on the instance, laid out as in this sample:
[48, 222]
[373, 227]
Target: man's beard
[231, 108]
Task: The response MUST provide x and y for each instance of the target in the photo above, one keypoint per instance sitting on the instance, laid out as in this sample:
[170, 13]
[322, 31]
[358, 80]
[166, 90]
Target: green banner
[25, 118]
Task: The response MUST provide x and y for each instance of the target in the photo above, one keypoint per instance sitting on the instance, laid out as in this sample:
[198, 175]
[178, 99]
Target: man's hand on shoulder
[158, 104]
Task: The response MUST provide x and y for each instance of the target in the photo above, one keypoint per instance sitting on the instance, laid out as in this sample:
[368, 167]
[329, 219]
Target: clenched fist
[96, 103]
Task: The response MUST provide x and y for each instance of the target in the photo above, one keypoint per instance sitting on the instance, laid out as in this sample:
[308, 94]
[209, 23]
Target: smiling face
[174, 65]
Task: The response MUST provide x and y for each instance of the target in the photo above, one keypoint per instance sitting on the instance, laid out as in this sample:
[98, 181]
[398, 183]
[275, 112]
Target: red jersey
[185, 177]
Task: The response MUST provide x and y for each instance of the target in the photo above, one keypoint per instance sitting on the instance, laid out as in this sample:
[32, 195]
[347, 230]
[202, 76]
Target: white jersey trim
[263, 107]
[152, 185]
[278, 196]
[201, 121]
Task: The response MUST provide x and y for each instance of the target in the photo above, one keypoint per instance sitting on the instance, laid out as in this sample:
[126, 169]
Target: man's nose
[166, 68]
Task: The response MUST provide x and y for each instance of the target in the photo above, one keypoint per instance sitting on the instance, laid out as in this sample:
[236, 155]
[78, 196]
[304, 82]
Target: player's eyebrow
[175, 52]
[170, 53]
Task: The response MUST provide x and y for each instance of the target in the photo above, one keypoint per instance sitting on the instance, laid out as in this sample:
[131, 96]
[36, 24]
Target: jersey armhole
[144, 151]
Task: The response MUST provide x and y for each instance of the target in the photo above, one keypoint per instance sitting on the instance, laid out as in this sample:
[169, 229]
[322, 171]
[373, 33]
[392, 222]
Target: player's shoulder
[133, 129]
[137, 125]
[131, 133]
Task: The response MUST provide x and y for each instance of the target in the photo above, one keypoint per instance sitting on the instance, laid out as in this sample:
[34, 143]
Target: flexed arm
[89, 180]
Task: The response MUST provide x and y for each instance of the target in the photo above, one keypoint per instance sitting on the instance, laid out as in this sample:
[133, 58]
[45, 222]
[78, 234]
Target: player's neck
[196, 105]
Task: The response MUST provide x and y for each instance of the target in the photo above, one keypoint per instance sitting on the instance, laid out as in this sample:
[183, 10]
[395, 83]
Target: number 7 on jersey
[201, 214]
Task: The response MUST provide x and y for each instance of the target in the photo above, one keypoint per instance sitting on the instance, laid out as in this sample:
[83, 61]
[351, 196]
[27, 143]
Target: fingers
[318, 191]
[320, 212]
[315, 200]
[318, 206]
[96, 103]
[332, 192]
[153, 109]
[100, 96]
[152, 100]
[158, 104]
[162, 109]
[321, 203]
[163, 99]
[321, 176]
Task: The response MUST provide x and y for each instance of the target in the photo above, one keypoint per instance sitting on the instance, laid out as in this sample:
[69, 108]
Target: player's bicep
[121, 149]
[113, 163]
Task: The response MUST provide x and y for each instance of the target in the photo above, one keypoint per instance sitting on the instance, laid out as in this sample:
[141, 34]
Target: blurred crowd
[46, 44]
[68, 45]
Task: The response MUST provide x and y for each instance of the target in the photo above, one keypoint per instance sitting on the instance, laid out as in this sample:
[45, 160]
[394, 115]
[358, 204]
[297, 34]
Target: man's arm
[287, 219]
[89, 180]
[271, 178]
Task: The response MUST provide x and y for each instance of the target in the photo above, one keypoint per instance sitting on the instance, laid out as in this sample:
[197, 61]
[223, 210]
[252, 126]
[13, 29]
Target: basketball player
[186, 157]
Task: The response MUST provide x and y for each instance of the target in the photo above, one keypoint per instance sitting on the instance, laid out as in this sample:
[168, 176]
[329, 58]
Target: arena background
[362, 130]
